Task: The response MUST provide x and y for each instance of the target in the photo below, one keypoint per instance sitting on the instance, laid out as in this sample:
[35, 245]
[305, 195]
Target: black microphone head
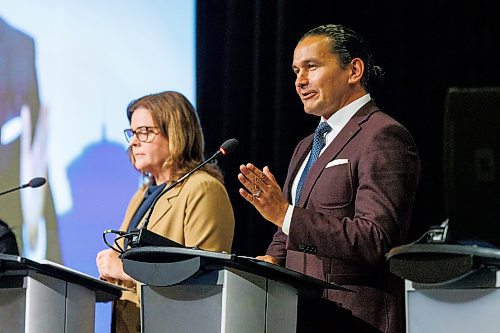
[36, 182]
[228, 146]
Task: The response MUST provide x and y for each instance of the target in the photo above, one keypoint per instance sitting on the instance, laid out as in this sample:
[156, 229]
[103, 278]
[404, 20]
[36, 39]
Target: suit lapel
[295, 163]
[349, 131]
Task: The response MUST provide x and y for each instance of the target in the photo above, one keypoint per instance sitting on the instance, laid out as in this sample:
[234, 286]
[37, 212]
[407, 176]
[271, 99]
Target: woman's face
[149, 155]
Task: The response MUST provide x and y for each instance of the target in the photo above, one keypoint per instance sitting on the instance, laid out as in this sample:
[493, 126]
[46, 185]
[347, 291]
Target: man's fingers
[268, 258]
[247, 196]
[259, 177]
[257, 182]
[250, 171]
[268, 175]
[249, 185]
[252, 178]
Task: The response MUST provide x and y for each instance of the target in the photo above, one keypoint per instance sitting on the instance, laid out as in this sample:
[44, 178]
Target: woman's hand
[111, 267]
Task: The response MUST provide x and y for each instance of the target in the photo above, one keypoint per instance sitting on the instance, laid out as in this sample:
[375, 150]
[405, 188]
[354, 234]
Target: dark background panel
[245, 84]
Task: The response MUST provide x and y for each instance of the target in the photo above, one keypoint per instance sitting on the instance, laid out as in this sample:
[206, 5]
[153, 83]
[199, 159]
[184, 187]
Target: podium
[448, 287]
[190, 290]
[46, 297]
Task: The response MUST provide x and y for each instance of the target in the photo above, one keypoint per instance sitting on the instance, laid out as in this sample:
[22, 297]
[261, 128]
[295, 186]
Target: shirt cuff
[288, 220]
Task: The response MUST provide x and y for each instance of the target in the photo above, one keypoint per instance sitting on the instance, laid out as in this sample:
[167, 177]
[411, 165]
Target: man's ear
[357, 67]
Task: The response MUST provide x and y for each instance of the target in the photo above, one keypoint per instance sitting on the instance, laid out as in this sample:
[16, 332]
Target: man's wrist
[281, 215]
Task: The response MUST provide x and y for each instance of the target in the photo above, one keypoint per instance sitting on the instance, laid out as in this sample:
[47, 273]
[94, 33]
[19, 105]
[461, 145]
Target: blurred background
[84, 61]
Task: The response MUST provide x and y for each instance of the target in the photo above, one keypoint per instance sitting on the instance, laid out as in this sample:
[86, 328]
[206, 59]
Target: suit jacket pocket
[334, 188]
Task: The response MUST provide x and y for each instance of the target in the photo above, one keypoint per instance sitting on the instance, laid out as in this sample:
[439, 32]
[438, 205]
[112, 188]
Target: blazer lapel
[162, 206]
[350, 130]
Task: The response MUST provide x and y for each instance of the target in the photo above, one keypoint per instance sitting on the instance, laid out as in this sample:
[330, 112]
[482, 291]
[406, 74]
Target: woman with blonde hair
[166, 142]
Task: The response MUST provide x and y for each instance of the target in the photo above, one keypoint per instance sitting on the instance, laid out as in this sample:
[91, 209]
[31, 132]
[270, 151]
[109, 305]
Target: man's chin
[310, 110]
[311, 107]
[317, 111]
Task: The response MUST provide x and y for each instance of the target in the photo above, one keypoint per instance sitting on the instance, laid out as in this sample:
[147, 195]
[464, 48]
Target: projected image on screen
[68, 69]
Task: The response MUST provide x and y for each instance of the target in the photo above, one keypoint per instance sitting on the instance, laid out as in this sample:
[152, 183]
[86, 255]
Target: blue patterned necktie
[318, 144]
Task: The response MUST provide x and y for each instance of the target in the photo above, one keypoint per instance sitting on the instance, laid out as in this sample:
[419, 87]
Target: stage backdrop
[70, 68]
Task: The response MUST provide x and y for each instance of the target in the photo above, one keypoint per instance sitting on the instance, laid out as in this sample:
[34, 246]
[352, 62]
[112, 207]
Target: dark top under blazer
[351, 214]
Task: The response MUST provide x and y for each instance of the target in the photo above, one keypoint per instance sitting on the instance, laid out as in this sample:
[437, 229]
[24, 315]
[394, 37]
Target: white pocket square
[337, 162]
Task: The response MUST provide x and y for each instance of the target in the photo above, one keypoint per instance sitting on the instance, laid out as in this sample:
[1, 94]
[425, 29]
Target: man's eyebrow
[310, 59]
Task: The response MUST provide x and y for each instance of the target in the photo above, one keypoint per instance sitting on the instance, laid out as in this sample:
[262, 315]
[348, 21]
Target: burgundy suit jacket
[351, 213]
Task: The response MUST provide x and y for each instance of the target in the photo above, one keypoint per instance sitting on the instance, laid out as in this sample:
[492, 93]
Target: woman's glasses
[142, 133]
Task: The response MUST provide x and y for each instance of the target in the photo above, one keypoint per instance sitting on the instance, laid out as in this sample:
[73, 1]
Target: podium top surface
[441, 263]
[153, 255]
[16, 265]
[491, 255]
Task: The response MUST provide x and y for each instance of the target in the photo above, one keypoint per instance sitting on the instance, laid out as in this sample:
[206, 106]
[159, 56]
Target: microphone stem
[146, 220]
[192, 171]
[14, 189]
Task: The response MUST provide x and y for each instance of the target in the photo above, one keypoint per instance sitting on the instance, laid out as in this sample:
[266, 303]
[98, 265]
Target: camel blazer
[355, 205]
[197, 212]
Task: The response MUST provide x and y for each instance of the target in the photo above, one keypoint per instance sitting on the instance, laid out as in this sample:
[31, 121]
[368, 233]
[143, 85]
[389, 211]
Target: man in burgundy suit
[350, 186]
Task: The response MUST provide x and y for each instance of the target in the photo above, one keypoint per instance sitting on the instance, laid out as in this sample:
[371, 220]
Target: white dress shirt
[337, 122]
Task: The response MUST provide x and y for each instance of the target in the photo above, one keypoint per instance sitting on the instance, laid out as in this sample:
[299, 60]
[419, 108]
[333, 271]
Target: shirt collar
[338, 120]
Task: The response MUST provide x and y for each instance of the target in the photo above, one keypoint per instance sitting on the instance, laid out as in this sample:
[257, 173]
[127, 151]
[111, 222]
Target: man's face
[322, 84]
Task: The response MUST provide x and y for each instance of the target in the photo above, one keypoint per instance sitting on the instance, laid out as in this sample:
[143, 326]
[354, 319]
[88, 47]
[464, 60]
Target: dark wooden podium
[190, 290]
[45, 297]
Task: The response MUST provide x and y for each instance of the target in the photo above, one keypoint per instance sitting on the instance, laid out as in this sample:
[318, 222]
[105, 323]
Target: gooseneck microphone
[227, 147]
[35, 182]
[144, 237]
